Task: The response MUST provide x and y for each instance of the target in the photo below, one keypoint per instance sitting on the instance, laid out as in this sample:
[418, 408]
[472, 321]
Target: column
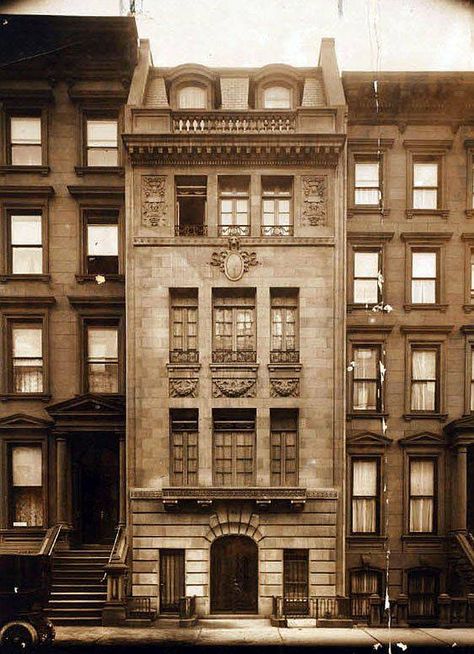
[122, 517]
[61, 480]
[461, 489]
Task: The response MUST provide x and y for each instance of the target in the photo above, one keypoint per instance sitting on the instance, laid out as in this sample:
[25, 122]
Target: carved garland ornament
[234, 262]
[153, 200]
[285, 387]
[233, 387]
[183, 387]
[314, 201]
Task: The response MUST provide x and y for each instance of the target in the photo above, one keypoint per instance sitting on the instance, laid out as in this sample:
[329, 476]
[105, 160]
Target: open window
[101, 242]
[191, 201]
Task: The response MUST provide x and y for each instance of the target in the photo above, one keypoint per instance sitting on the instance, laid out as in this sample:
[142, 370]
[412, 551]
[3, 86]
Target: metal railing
[255, 122]
[234, 230]
[139, 607]
[184, 356]
[312, 607]
[50, 539]
[284, 356]
[234, 356]
[277, 230]
[190, 230]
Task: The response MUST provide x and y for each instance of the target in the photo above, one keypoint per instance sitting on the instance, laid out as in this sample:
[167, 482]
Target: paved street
[259, 633]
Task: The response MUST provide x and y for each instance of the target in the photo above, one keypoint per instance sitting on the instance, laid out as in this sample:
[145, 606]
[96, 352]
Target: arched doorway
[234, 575]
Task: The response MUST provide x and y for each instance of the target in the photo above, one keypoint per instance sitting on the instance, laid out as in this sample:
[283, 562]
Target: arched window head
[277, 97]
[192, 97]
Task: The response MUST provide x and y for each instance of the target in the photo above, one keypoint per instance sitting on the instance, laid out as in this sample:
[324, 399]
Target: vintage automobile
[25, 583]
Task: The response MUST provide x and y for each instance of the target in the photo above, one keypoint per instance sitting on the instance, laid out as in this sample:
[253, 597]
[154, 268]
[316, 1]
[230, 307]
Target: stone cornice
[241, 492]
[83, 191]
[369, 145]
[235, 149]
[26, 191]
[183, 241]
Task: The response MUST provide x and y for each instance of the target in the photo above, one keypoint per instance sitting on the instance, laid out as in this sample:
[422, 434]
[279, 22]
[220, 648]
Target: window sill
[277, 367]
[426, 307]
[441, 417]
[365, 209]
[234, 365]
[99, 170]
[352, 306]
[469, 213]
[44, 397]
[183, 366]
[366, 414]
[468, 308]
[413, 213]
[24, 278]
[42, 170]
[372, 540]
[114, 277]
[424, 537]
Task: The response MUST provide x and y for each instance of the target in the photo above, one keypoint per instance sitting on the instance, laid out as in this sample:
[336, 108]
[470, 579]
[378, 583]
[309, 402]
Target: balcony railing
[284, 356]
[234, 230]
[184, 356]
[234, 356]
[190, 230]
[277, 230]
[319, 608]
[263, 122]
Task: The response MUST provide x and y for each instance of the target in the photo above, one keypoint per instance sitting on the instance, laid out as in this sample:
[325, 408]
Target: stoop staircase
[78, 593]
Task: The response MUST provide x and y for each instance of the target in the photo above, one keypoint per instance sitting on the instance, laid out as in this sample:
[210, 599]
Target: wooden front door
[295, 582]
[234, 575]
[171, 580]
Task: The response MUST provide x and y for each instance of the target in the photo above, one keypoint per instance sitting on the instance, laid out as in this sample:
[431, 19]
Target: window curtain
[365, 374]
[421, 496]
[424, 380]
[364, 492]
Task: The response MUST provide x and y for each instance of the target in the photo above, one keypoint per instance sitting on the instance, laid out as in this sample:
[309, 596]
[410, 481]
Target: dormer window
[277, 97]
[192, 97]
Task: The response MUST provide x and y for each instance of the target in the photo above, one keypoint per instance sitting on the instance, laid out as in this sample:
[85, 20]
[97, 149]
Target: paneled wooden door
[234, 575]
[171, 580]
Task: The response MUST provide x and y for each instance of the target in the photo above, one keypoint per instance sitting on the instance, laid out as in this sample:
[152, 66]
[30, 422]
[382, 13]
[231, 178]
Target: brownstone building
[409, 342]
[63, 84]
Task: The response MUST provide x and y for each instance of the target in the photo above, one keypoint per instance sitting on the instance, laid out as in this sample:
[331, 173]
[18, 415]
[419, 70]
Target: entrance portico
[461, 434]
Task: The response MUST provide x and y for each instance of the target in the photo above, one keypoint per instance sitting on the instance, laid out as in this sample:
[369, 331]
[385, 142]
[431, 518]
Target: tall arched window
[192, 97]
[277, 97]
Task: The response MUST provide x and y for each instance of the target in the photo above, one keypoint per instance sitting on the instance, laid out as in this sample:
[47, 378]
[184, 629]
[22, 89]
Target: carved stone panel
[234, 262]
[235, 387]
[154, 206]
[285, 387]
[182, 387]
[314, 201]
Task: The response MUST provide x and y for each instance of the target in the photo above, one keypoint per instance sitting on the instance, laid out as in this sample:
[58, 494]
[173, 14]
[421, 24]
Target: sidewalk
[259, 632]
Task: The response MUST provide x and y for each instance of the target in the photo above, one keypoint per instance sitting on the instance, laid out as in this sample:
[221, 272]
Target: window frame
[278, 79]
[186, 432]
[427, 151]
[380, 582]
[183, 298]
[276, 229]
[285, 299]
[366, 342]
[377, 497]
[427, 250]
[355, 249]
[469, 147]
[98, 112]
[102, 320]
[419, 619]
[191, 78]
[434, 460]
[364, 242]
[234, 229]
[86, 211]
[11, 443]
[26, 111]
[278, 418]
[426, 242]
[234, 303]
[234, 479]
[369, 151]
[427, 347]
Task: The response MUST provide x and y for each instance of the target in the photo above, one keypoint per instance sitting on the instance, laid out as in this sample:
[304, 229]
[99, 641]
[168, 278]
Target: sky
[369, 34]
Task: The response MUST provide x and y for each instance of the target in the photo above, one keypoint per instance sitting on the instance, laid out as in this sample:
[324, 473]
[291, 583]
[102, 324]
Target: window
[277, 97]
[26, 243]
[367, 187]
[284, 447]
[184, 326]
[423, 588]
[184, 447]
[424, 378]
[365, 496]
[192, 97]
[363, 584]
[284, 326]
[101, 142]
[26, 475]
[234, 447]
[234, 215]
[102, 359]
[25, 141]
[366, 384]
[422, 484]
[101, 240]
[424, 277]
[367, 277]
[27, 365]
[425, 184]
[191, 197]
[234, 327]
[277, 217]
[295, 581]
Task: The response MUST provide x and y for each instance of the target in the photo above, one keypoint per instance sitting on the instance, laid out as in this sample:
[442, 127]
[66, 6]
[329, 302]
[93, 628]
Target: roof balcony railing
[246, 122]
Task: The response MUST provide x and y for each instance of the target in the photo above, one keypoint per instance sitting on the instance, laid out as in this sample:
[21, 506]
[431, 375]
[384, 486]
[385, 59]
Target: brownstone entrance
[234, 575]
